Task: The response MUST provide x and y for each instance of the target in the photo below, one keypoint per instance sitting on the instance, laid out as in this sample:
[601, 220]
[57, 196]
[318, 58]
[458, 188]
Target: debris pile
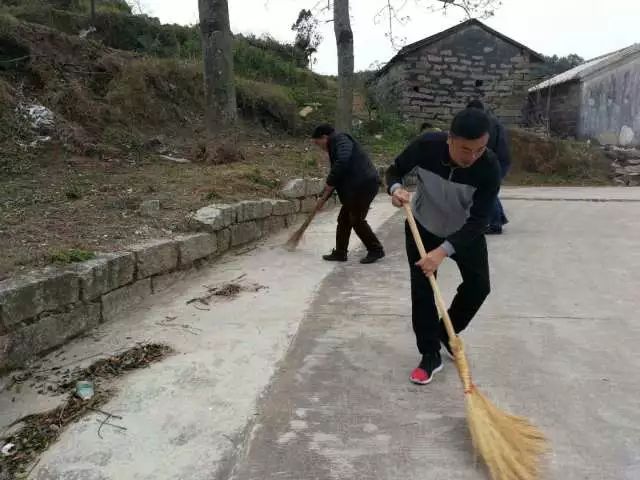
[41, 121]
[228, 290]
[625, 163]
[23, 442]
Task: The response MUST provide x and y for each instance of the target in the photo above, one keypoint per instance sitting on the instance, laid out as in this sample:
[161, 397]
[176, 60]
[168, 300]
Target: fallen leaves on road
[228, 290]
[33, 434]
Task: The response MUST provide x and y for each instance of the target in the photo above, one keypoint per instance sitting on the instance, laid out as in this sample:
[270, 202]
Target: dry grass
[39, 217]
[544, 161]
[116, 114]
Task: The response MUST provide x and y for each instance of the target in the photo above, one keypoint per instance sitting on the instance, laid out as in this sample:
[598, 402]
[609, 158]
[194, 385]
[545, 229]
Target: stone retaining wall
[44, 309]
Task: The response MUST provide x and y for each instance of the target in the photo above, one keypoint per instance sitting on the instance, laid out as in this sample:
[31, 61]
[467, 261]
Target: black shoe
[335, 256]
[494, 230]
[372, 257]
[431, 363]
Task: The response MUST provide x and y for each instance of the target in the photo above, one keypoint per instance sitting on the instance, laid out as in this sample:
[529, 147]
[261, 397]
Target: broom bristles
[510, 446]
[294, 240]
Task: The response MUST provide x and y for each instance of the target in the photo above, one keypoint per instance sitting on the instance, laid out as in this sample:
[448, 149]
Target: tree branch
[391, 13]
[471, 8]
[463, 5]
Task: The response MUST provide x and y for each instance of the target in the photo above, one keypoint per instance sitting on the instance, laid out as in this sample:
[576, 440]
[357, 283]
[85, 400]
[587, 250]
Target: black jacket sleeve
[481, 209]
[341, 150]
[502, 150]
[404, 163]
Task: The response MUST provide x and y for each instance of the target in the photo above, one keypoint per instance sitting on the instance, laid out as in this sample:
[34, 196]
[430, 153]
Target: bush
[144, 34]
[65, 21]
[387, 134]
[322, 95]
[285, 51]
[256, 57]
[72, 255]
[156, 91]
[537, 159]
[256, 63]
[266, 102]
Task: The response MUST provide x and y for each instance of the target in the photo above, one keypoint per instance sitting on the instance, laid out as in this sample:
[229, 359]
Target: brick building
[435, 77]
[599, 99]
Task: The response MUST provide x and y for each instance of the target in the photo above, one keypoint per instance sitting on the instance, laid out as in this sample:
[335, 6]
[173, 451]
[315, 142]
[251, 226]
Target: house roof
[450, 31]
[589, 67]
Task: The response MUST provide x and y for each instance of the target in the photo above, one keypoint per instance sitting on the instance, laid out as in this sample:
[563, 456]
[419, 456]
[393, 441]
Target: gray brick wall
[436, 81]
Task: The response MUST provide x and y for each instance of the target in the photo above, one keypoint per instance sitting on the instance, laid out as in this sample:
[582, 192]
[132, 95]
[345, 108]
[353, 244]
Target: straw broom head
[510, 446]
[294, 240]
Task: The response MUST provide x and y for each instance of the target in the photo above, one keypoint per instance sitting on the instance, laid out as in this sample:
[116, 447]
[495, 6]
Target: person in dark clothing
[499, 143]
[426, 126]
[458, 180]
[356, 181]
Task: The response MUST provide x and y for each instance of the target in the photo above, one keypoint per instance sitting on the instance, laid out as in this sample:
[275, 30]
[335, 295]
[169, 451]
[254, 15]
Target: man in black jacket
[356, 180]
[458, 180]
[499, 143]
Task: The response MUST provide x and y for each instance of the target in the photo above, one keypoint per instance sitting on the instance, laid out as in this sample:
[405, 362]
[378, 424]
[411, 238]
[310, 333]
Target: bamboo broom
[294, 240]
[510, 446]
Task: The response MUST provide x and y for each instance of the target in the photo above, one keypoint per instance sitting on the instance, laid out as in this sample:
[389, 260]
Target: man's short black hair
[323, 129]
[475, 104]
[470, 124]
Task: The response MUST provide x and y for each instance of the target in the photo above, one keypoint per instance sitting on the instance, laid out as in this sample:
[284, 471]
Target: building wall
[438, 80]
[610, 105]
[558, 107]
[388, 89]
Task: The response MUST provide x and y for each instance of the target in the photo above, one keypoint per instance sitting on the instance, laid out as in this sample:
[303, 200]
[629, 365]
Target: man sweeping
[458, 180]
[356, 180]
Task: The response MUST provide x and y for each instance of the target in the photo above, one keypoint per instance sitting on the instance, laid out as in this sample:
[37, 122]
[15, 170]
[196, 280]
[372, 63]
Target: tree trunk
[93, 12]
[217, 48]
[344, 42]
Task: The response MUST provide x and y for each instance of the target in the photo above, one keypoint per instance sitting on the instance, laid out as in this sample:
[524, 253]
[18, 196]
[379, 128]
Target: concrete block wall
[42, 310]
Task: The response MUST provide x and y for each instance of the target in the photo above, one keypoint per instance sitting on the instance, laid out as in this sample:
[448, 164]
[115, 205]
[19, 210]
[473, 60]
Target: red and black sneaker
[431, 363]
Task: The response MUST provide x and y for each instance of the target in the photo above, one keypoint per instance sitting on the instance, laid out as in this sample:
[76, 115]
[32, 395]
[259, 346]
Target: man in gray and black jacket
[356, 180]
[458, 180]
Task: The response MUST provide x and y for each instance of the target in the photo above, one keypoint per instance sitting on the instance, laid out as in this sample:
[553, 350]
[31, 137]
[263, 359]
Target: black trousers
[353, 215]
[474, 289]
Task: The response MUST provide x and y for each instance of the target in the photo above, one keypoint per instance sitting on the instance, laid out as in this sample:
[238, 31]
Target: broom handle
[319, 204]
[432, 279]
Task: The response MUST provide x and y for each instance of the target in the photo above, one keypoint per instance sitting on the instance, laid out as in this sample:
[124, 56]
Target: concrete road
[187, 417]
[308, 378]
[557, 342]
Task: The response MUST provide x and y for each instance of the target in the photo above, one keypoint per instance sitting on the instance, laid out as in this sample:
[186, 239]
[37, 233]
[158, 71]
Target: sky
[586, 27]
